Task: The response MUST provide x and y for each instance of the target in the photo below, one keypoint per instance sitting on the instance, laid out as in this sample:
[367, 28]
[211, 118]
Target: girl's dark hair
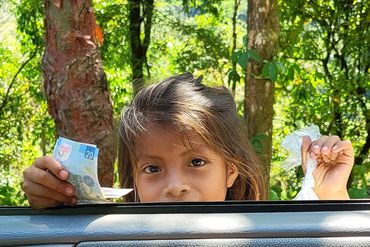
[185, 104]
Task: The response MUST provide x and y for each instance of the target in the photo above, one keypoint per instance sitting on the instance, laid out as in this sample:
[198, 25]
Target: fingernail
[69, 191]
[312, 155]
[335, 147]
[63, 174]
[325, 149]
[316, 147]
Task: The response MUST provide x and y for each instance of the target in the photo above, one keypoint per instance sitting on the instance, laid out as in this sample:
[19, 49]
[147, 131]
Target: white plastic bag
[293, 143]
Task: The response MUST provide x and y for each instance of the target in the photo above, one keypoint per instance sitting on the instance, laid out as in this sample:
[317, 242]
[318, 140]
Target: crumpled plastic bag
[292, 143]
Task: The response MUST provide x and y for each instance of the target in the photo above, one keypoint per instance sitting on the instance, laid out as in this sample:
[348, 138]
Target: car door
[235, 223]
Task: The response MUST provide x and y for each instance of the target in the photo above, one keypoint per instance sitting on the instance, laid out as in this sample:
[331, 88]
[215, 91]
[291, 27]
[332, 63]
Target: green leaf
[273, 195]
[269, 70]
[355, 193]
[260, 136]
[257, 142]
[235, 56]
[258, 146]
[290, 74]
[243, 60]
[245, 40]
[233, 76]
[272, 70]
[254, 55]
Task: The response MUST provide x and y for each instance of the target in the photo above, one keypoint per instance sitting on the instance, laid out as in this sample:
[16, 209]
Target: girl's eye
[151, 169]
[197, 163]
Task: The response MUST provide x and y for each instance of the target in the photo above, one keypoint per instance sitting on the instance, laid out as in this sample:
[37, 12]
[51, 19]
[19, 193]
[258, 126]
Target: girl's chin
[173, 199]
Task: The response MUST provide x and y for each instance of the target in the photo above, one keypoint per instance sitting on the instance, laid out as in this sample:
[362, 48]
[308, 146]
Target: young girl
[183, 141]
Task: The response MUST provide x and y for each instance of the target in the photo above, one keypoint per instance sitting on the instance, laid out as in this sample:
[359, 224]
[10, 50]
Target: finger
[328, 144]
[38, 202]
[328, 156]
[344, 147]
[50, 164]
[32, 189]
[329, 159]
[306, 142]
[44, 178]
[315, 148]
[345, 154]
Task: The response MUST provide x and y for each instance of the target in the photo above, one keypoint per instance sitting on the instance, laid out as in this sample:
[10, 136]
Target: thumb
[306, 143]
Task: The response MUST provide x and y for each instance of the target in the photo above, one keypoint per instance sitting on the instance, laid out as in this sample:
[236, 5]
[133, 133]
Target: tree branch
[6, 97]
[147, 15]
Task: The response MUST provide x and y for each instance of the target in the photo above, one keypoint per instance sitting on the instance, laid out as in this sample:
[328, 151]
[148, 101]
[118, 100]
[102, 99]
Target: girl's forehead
[155, 135]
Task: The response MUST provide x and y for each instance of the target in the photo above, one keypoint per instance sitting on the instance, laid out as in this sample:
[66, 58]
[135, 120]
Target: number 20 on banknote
[89, 153]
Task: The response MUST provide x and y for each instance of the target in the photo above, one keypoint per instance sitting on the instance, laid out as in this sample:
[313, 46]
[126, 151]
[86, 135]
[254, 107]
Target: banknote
[81, 160]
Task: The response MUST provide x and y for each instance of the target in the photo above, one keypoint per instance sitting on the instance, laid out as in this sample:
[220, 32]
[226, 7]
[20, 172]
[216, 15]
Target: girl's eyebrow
[149, 156]
[196, 150]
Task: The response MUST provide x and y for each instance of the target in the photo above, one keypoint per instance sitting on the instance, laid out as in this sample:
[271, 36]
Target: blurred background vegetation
[321, 74]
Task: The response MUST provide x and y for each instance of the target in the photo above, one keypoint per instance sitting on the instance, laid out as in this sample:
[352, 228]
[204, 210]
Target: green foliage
[323, 78]
[321, 74]
[112, 18]
[270, 71]
[360, 185]
[193, 7]
[194, 43]
[30, 23]
[242, 58]
[257, 142]
[10, 190]
[25, 127]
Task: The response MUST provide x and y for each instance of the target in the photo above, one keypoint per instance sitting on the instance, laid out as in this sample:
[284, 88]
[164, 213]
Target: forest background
[318, 73]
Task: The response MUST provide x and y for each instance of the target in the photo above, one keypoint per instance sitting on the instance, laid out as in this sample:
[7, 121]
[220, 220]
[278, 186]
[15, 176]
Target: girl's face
[168, 171]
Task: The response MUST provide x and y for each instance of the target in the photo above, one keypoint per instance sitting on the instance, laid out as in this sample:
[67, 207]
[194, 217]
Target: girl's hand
[45, 185]
[335, 159]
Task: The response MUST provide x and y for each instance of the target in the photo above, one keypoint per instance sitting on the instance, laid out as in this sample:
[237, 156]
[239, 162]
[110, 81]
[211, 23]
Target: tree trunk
[74, 81]
[263, 28]
[140, 11]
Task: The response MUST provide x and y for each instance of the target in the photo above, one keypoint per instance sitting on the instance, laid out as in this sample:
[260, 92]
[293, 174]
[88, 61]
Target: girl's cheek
[203, 172]
[149, 186]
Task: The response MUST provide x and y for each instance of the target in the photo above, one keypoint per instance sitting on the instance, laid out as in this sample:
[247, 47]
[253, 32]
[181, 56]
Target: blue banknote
[81, 160]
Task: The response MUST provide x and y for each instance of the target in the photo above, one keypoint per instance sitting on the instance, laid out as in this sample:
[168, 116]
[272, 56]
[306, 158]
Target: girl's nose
[176, 186]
